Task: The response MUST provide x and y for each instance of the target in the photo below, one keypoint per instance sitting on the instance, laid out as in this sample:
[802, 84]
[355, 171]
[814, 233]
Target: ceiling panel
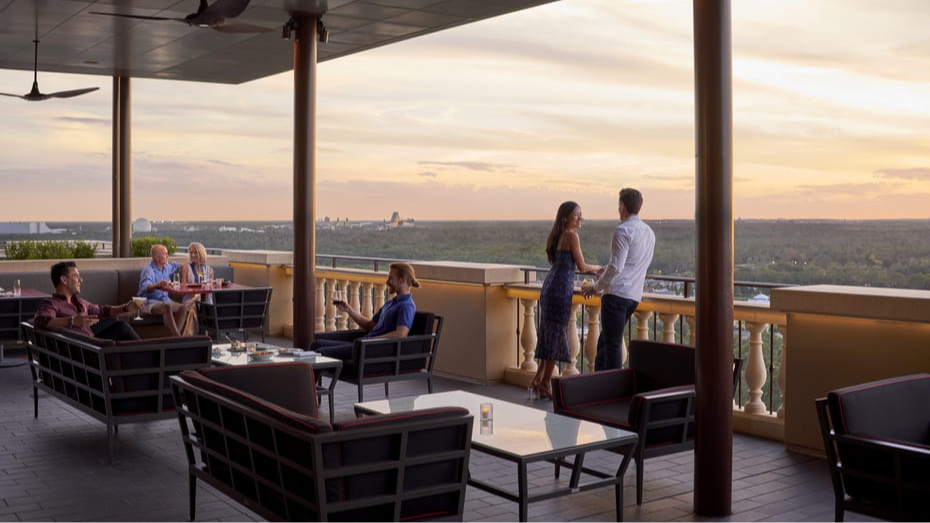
[73, 40]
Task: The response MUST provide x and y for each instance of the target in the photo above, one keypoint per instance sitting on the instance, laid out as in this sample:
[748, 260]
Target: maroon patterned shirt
[58, 307]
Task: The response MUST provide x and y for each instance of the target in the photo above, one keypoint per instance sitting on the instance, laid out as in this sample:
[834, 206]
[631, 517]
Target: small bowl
[261, 355]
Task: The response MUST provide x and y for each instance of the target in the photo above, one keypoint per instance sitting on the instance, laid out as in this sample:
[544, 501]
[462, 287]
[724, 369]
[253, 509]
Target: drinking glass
[338, 299]
[17, 288]
[139, 301]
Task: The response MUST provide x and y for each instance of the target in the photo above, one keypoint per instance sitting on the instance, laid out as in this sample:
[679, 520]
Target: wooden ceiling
[75, 41]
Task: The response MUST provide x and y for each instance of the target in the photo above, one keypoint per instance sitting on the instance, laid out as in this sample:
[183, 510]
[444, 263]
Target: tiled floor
[54, 468]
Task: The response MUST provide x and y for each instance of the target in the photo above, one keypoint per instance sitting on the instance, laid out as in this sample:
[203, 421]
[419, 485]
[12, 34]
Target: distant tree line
[893, 253]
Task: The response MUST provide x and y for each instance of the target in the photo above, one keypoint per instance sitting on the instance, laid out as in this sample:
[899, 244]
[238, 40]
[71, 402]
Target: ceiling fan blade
[140, 17]
[74, 92]
[228, 8]
[241, 28]
[13, 95]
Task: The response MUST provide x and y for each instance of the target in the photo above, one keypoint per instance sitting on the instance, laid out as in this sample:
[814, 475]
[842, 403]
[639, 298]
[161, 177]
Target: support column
[122, 168]
[305, 50]
[713, 460]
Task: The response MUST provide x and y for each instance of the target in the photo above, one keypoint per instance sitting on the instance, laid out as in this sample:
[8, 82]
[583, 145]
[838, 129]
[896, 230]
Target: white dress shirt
[631, 250]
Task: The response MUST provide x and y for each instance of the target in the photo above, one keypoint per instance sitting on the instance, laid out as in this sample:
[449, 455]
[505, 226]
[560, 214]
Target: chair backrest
[660, 365]
[891, 409]
[235, 310]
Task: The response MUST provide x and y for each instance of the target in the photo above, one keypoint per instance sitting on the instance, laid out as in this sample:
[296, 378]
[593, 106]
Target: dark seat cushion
[661, 365]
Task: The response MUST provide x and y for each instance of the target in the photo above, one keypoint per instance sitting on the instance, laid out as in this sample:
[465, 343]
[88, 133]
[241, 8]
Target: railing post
[354, 287]
[782, 375]
[594, 332]
[328, 307]
[574, 344]
[318, 325]
[367, 307]
[380, 289]
[755, 369]
[668, 320]
[528, 336]
[642, 325]
[692, 331]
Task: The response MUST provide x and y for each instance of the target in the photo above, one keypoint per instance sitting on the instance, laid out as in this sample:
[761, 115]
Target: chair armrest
[581, 389]
[351, 335]
[915, 450]
[660, 407]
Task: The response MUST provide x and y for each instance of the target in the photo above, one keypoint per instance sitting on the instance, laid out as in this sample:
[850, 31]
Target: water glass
[17, 288]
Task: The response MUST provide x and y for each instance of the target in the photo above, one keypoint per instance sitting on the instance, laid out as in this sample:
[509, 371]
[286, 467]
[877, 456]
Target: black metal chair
[235, 310]
[654, 397]
[877, 439]
[386, 360]
[254, 434]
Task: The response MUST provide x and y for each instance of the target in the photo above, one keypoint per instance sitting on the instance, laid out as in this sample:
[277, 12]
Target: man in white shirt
[620, 282]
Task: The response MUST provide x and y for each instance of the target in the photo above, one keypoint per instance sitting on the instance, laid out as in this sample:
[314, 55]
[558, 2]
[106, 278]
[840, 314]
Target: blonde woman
[197, 270]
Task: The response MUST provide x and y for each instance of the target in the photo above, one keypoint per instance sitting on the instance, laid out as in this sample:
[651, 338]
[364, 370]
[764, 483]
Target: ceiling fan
[36, 96]
[213, 16]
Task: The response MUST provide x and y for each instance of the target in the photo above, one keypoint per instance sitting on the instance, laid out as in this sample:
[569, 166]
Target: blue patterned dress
[555, 307]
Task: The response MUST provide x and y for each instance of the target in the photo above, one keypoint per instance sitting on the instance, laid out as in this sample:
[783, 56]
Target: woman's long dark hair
[561, 217]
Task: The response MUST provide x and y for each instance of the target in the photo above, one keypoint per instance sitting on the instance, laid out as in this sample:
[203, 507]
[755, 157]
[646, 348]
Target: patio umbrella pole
[713, 460]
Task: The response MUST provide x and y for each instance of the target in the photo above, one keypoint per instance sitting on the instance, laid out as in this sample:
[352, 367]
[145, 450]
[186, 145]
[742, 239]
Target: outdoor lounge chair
[654, 397]
[386, 360]
[877, 439]
[254, 434]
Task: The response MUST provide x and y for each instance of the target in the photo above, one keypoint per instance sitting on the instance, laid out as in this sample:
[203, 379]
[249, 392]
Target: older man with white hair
[154, 282]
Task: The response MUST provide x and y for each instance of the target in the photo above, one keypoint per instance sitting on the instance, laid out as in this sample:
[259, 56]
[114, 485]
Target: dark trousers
[341, 350]
[615, 313]
[114, 329]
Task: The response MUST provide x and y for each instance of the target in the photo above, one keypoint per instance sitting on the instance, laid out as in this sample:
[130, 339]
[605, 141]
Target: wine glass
[139, 301]
[338, 299]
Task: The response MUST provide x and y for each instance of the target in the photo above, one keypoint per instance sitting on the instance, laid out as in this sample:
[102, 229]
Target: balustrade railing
[672, 319]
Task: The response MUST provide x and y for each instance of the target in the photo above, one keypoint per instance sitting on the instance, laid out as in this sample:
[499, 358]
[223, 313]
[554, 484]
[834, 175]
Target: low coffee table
[526, 435]
[223, 356]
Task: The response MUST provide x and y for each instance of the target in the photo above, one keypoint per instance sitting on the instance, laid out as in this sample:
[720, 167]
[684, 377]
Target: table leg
[523, 490]
[621, 470]
[9, 362]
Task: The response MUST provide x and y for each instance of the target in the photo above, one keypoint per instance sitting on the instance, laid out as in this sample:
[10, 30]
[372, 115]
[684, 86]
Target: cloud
[472, 166]
[98, 122]
[918, 173]
[428, 174]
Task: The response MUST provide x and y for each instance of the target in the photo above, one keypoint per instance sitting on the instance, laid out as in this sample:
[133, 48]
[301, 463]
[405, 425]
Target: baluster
[342, 317]
[380, 290]
[692, 333]
[594, 331]
[782, 370]
[330, 308]
[528, 335]
[755, 369]
[642, 325]
[367, 309]
[668, 326]
[574, 344]
[353, 289]
[320, 305]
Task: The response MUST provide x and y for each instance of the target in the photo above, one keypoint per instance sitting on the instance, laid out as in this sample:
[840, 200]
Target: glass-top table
[524, 435]
[222, 355]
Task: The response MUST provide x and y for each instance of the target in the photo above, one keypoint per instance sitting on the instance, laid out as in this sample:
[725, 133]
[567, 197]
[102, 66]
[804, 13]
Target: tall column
[305, 48]
[713, 460]
[122, 168]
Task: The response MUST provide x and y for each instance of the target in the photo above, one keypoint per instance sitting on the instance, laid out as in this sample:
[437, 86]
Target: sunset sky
[506, 118]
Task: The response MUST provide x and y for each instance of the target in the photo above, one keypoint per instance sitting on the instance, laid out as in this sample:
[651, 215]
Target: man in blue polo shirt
[393, 320]
[154, 282]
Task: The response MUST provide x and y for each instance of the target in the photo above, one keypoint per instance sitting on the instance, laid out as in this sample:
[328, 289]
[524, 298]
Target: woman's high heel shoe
[543, 393]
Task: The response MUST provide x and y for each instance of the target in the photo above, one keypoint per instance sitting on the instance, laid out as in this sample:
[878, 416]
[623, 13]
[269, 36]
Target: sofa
[104, 287]
[254, 433]
[115, 383]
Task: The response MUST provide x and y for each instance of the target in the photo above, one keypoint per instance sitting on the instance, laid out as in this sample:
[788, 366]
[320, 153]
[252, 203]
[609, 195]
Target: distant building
[27, 228]
[141, 225]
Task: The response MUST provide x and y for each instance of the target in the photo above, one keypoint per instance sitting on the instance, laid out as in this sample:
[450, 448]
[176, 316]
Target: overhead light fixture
[322, 31]
[289, 27]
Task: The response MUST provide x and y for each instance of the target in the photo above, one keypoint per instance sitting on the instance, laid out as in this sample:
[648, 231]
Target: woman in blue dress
[563, 248]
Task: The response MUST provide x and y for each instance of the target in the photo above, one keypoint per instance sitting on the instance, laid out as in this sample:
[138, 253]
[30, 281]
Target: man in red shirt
[66, 309]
